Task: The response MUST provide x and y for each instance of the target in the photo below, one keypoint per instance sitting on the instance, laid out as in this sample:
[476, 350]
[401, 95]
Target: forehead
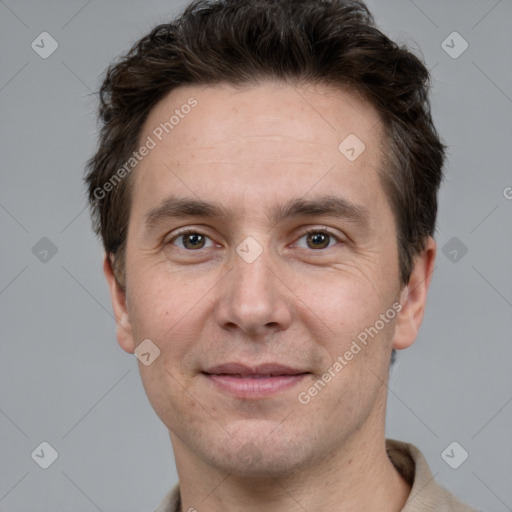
[308, 113]
[270, 139]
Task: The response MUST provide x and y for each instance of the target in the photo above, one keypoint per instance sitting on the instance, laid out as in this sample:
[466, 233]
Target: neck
[358, 477]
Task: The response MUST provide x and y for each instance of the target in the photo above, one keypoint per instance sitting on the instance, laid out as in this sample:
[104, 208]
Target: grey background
[63, 378]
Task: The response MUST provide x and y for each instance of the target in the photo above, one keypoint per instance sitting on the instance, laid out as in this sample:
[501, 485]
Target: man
[266, 191]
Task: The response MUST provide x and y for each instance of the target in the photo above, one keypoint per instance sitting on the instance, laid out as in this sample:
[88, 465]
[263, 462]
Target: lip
[242, 370]
[260, 381]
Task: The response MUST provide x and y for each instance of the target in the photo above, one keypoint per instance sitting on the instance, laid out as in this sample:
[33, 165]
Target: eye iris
[318, 240]
[193, 241]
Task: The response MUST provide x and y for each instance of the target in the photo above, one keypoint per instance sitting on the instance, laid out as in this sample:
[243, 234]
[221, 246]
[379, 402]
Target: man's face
[249, 286]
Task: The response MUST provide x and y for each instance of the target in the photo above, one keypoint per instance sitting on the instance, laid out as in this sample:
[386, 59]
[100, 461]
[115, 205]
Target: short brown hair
[240, 42]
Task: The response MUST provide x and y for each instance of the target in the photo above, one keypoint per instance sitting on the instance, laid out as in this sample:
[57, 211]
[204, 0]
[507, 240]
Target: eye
[191, 240]
[318, 239]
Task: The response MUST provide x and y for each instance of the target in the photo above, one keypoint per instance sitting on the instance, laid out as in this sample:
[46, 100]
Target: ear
[118, 297]
[413, 297]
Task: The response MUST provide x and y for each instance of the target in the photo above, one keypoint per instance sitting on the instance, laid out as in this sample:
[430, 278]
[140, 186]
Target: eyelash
[183, 233]
[303, 234]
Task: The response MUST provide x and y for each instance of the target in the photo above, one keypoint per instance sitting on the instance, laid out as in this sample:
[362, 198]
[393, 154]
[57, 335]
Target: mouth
[259, 381]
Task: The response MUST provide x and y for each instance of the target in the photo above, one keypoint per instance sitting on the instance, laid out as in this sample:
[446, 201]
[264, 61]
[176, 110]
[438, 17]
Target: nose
[254, 298]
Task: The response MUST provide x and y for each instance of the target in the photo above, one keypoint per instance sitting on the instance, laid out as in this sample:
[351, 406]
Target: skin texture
[250, 150]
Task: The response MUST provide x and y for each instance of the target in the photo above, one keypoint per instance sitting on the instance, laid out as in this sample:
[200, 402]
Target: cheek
[163, 308]
[345, 318]
[343, 303]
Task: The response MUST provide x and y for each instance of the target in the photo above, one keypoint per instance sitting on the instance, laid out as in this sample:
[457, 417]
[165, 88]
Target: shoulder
[426, 494]
[171, 502]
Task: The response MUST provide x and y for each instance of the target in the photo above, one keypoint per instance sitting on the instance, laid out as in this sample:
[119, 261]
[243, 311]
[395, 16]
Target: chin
[249, 454]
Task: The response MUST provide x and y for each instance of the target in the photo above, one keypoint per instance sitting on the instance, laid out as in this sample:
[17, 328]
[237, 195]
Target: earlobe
[413, 297]
[118, 298]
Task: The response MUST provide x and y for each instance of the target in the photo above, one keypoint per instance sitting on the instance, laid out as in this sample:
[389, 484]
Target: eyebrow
[332, 206]
[179, 207]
